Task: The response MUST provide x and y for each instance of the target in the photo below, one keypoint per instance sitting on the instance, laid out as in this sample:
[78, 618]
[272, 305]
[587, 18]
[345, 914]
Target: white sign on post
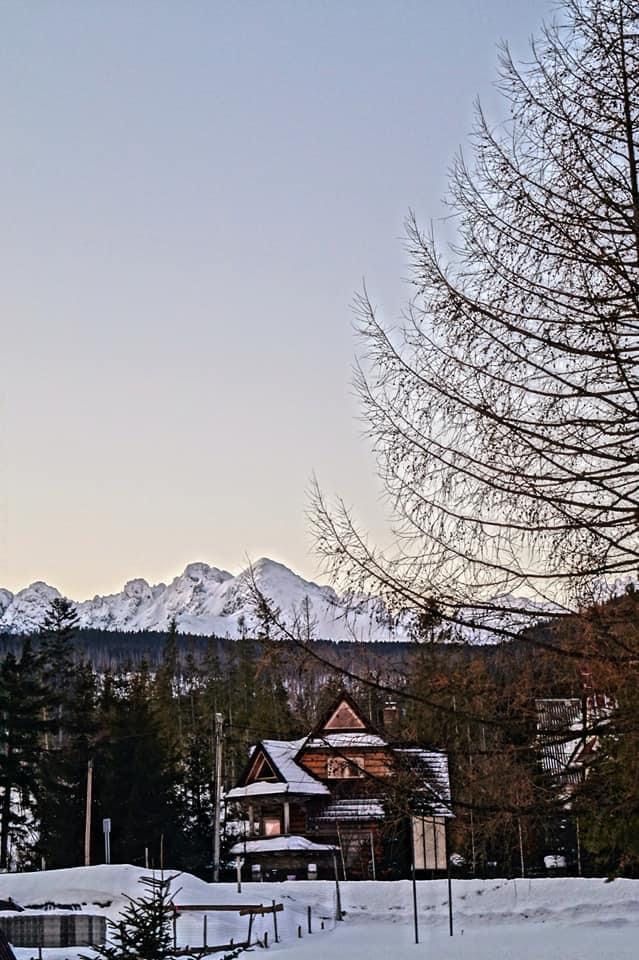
[106, 827]
[429, 843]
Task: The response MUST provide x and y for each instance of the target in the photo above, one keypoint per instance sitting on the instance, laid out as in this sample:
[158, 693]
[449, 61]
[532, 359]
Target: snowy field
[554, 919]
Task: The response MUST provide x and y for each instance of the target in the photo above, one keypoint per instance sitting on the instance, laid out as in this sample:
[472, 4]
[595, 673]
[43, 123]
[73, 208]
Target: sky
[192, 192]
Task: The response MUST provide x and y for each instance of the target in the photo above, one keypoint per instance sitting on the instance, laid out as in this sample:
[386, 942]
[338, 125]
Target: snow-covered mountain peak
[265, 567]
[38, 588]
[269, 573]
[199, 572]
[205, 600]
[25, 612]
[5, 599]
[137, 589]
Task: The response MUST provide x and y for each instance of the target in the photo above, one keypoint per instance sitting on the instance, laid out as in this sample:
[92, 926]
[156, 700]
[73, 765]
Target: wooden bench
[241, 908]
[250, 910]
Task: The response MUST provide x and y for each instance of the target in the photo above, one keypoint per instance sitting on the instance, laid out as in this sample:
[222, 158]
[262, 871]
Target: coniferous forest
[139, 712]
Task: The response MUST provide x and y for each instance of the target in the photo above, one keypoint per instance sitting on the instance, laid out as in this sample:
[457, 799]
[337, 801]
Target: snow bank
[567, 918]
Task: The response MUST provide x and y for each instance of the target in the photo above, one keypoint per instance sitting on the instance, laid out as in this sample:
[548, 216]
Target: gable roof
[344, 725]
[343, 714]
[291, 778]
[261, 767]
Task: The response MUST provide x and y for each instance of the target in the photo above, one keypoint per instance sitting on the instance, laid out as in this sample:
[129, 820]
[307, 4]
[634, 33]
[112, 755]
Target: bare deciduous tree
[504, 412]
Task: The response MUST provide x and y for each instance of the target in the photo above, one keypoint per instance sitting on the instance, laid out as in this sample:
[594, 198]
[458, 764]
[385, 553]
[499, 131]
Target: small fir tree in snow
[144, 930]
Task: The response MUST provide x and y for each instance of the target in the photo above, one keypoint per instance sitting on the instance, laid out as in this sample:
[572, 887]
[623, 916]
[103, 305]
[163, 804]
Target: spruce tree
[136, 779]
[144, 931]
[63, 796]
[22, 711]
[166, 692]
[57, 659]
[57, 636]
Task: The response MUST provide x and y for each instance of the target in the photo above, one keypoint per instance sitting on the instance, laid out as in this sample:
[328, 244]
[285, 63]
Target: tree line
[147, 733]
[149, 736]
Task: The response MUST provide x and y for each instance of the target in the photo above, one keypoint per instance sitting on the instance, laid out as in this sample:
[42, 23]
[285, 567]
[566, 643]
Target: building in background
[343, 796]
[568, 737]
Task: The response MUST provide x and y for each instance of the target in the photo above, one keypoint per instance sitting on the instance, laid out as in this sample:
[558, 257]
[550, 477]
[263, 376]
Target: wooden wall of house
[376, 763]
[297, 819]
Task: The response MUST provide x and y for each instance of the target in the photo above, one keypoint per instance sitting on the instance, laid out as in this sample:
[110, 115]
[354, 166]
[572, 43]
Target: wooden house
[568, 738]
[347, 792]
[568, 735]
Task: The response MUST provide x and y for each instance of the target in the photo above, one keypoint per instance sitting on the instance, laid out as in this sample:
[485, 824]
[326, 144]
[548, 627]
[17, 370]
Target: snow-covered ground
[569, 919]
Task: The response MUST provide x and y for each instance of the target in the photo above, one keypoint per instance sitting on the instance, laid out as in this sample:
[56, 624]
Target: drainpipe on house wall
[391, 718]
[219, 725]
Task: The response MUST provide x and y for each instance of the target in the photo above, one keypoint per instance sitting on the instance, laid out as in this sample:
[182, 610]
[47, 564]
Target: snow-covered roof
[347, 739]
[557, 720]
[280, 845]
[568, 736]
[273, 768]
[432, 768]
[261, 788]
[363, 808]
[283, 753]
[295, 779]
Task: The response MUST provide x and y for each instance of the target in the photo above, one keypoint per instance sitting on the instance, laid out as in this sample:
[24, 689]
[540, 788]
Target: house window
[339, 768]
[271, 826]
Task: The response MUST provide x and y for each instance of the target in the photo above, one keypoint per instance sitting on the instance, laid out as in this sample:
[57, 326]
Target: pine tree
[62, 802]
[71, 690]
[200, 696]
[57, 635]
[22, 725]
[56, 655]
[166, 692]
[144, 931]
[136, 780]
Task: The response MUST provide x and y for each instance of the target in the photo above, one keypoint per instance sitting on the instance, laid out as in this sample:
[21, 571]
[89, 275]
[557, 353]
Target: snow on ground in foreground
[563, 918]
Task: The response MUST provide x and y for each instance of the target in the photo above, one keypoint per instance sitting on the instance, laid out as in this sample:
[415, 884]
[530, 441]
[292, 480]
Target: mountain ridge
[206, 600]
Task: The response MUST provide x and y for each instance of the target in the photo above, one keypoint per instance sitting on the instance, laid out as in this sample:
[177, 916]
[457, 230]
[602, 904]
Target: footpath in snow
[543, 919]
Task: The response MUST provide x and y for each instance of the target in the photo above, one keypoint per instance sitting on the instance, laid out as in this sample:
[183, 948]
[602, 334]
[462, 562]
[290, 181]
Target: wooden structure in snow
[30, 929]
[568, 733]
[346, 792]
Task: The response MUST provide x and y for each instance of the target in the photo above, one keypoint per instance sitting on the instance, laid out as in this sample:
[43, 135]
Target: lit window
[271, 826]
[339, 768]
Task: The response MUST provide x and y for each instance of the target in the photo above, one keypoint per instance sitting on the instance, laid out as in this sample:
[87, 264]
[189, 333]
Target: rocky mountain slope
[207, 601]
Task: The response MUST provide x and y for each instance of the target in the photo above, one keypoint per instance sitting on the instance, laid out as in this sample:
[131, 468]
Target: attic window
[340, 768]
[344, 718]
[262, 770]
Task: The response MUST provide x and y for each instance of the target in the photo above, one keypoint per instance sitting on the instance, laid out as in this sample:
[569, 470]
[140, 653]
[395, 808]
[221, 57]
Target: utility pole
[87, 816]
[219, 726]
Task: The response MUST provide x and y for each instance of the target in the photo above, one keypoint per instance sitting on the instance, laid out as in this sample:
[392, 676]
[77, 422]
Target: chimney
[391, 718]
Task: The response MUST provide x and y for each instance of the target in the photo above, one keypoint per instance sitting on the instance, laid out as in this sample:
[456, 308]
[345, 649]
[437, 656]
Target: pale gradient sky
[191, 192]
